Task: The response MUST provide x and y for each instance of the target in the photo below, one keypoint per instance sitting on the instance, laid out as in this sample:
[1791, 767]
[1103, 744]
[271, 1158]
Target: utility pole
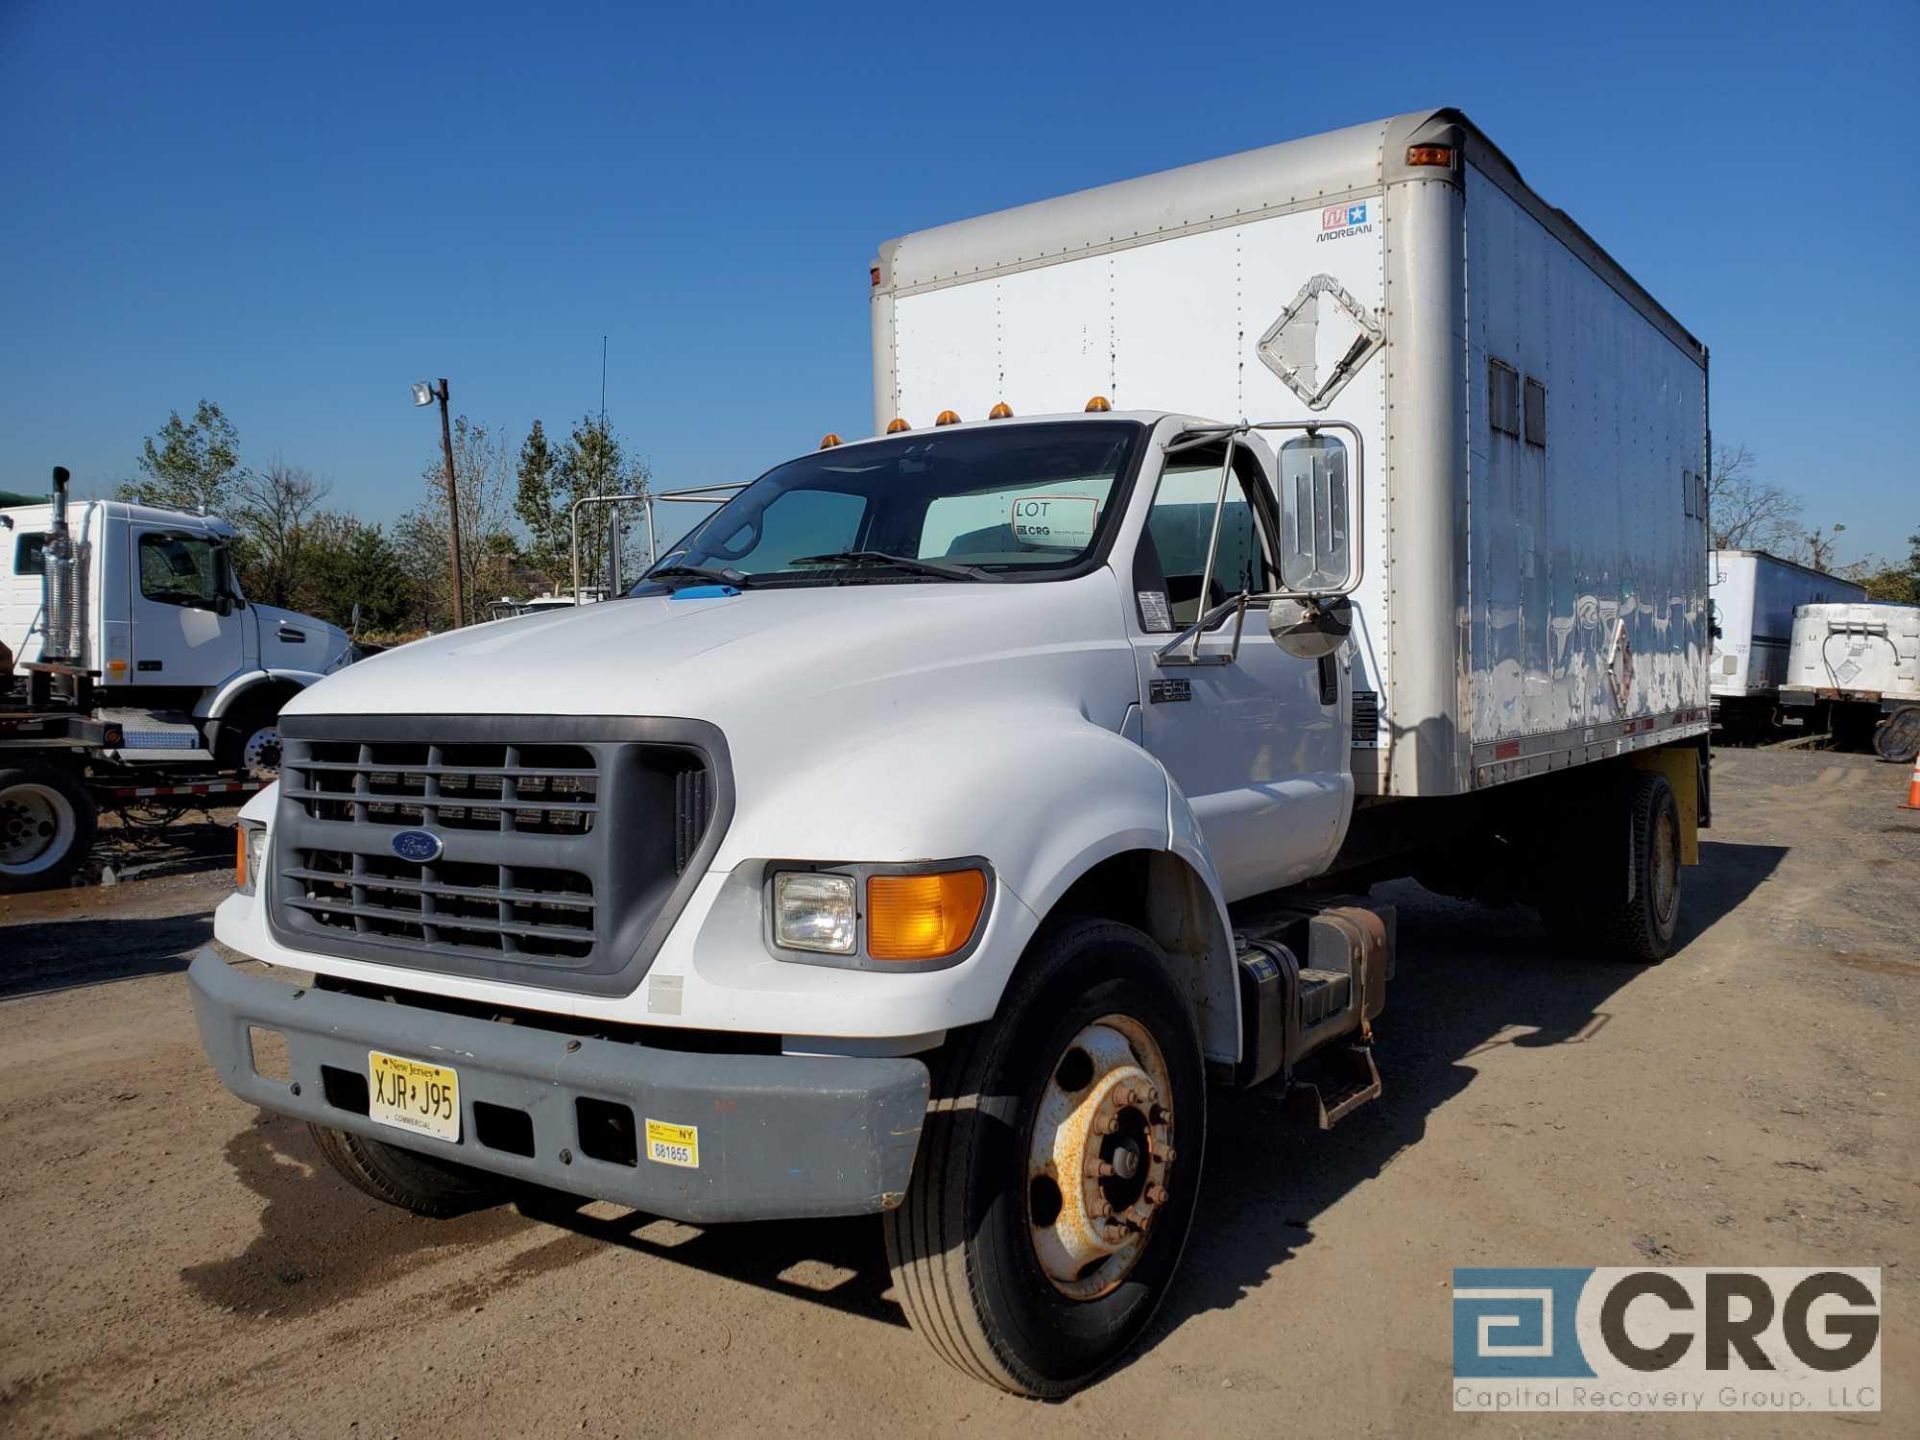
[424, 394]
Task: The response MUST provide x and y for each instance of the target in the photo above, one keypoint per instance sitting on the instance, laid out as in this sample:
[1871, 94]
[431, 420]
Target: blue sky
[296, 215]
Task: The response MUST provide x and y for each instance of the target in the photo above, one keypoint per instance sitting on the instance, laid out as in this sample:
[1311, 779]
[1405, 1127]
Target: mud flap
[1681, 765]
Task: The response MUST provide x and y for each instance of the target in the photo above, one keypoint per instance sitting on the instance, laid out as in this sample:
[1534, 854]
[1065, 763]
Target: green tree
[484, 474]
[541, 507]
[593, 464]
[348, 563]
[1897, 582]
[189, 465]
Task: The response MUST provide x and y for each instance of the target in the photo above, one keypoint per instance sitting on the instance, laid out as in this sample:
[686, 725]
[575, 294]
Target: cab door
[1255, 738]
[186, 628]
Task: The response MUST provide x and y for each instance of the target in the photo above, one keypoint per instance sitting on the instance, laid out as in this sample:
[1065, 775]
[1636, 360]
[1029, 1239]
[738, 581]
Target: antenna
[603, 382]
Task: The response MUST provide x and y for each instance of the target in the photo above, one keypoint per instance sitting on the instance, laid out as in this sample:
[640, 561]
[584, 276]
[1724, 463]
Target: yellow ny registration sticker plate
[673, 1144]
[413, 1095]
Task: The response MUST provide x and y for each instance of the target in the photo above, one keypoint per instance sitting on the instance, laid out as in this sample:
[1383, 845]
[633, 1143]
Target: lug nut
[1157, 1194]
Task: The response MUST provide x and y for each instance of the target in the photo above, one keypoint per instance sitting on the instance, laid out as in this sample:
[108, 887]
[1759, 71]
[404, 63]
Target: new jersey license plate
[413, 1095]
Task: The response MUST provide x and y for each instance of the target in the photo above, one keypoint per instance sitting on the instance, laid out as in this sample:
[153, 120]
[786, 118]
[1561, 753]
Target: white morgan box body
[1530, 600]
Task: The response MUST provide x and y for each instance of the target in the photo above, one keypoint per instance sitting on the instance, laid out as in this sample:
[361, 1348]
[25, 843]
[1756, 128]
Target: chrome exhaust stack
[59, 602]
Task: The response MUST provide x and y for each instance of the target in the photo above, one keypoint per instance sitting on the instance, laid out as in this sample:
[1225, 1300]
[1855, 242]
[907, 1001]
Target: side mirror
[353, 622]
[1319, 512]
[1309, 629]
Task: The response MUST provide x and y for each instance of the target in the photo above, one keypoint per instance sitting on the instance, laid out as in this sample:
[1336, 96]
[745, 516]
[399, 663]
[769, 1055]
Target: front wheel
[1057, 1175]
[423, 1184]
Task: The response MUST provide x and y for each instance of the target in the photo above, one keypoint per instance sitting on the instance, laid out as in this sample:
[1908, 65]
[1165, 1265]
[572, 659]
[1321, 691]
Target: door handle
[293, 636]
[150, 665]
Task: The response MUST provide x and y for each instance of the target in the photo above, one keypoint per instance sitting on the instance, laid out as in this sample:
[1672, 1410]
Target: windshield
[986, 504]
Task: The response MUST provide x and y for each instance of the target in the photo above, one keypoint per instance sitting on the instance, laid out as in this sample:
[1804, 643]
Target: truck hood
[326, 648]
[864, 650]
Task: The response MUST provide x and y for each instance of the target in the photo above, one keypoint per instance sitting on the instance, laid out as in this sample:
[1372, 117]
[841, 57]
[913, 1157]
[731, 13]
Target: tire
[423, 1184]
[47, 825]
[1589, 912]
[971, 1245]
[248, 740]
[1896, 739]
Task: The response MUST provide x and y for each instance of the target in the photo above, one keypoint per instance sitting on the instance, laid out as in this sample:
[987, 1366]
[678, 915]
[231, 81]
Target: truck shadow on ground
[39, 959]
[1468, 979]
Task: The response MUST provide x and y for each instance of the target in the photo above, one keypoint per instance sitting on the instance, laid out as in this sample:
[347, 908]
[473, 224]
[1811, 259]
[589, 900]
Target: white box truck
[127, 646]
[1854, 669]
[1752, 597]
[933, 824]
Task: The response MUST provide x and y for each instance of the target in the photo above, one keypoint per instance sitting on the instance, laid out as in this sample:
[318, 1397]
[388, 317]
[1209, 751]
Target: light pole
[425, 394]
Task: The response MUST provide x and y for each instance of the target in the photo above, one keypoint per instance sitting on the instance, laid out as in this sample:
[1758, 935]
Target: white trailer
[1855, 670]
[1753, 596]
[964, 799]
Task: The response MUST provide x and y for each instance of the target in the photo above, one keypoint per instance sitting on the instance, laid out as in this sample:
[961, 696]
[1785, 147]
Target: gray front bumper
[779, 1135]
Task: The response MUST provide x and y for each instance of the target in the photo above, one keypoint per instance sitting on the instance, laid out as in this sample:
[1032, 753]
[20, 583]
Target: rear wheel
[47, 825]
[1897, 738]
[423, 1184]
[1629, 913]
[1056, 1179]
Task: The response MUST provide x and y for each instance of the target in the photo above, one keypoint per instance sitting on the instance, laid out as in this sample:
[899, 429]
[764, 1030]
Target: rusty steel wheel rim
[1099, 1157]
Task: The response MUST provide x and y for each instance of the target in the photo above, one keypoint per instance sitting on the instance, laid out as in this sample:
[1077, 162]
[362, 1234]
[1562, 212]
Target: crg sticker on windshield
[1055, 522]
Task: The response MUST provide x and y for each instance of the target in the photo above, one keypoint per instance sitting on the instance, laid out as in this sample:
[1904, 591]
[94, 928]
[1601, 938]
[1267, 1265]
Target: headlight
[814, 912]
[249, 856]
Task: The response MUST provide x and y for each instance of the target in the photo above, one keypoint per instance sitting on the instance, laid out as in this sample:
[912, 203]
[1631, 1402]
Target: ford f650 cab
[931, 827]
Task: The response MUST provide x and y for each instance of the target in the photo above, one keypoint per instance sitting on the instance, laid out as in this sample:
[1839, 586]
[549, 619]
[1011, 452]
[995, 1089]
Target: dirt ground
[177, 1263]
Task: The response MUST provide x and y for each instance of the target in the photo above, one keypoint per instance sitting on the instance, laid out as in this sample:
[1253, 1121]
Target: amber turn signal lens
[896, 425]
[1430, 155]
[1097, 404]
[239, 857]
[923, 917]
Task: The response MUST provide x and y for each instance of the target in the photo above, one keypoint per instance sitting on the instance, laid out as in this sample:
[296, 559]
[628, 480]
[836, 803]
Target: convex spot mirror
[1310, 629]
[1316, 481]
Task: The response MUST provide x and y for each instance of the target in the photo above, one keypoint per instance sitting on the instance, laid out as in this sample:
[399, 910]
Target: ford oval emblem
[420, 846]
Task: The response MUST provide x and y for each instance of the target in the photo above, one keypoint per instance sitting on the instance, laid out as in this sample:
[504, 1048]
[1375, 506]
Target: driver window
[1179, 526]
[177, 571]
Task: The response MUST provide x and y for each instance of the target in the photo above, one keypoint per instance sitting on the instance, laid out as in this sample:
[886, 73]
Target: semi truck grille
[527, 849]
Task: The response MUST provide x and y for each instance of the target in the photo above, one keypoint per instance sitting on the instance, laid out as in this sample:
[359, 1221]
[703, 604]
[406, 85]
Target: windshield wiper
[719, 575]
[899, 562]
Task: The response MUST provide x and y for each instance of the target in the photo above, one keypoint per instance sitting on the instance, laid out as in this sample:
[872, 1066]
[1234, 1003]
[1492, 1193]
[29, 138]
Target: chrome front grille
[556, 845]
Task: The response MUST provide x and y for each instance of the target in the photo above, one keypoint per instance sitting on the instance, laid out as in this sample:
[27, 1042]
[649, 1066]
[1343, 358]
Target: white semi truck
[1854, 669]
[1752, 597]
[126, 646]
[933, 825]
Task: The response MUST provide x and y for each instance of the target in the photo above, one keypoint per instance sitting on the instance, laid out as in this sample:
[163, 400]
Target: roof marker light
[1441, 155]
[829, 440]
[896, 425]
[947, 417]
[873, 275]
[1098, 404]
[1002, 411]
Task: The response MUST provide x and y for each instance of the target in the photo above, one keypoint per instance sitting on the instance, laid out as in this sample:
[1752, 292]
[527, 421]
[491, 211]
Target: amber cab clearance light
[1098, 404]
[896, 425]
[1441, 155]
[829, 440]
[1002, 411]
[923, 917]
[946, 417]
[873, 274]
